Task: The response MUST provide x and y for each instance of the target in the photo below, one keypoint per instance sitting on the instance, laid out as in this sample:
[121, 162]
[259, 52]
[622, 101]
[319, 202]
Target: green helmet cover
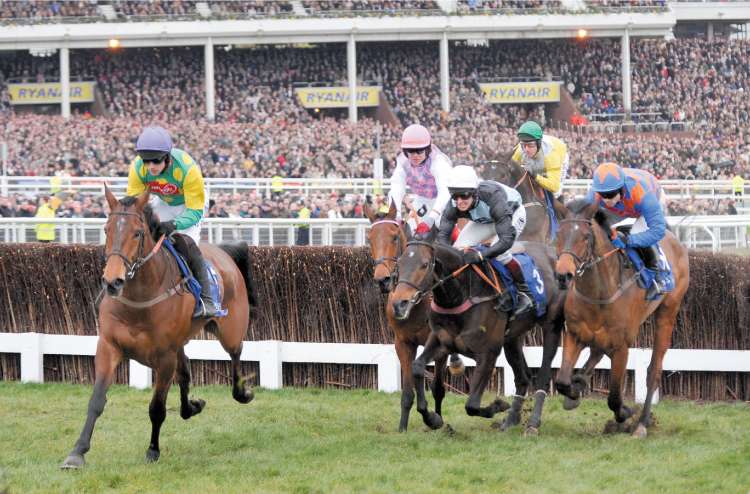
[530, 131]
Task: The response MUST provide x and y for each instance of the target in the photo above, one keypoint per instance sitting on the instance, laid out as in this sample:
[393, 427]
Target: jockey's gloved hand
[168, 228]
[473, 257]
[620, 240]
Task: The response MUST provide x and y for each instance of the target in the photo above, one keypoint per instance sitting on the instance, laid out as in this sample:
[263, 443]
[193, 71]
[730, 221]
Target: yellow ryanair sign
[49, 92]
[521, 92]
[337, 97]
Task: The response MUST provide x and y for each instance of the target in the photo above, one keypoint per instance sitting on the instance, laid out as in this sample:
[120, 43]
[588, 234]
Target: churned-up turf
[310, 440]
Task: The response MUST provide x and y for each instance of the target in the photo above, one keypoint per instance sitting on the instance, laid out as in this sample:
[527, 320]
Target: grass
[312, 440]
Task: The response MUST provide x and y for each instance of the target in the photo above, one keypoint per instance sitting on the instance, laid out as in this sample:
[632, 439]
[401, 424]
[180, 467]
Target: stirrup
[205, 309]
[525, 304]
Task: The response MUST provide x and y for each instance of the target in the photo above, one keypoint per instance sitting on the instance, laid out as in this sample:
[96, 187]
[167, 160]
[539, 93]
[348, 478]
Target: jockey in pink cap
[424, 168]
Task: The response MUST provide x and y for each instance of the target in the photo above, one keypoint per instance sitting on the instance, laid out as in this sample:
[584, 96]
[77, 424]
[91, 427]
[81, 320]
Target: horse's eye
[395, 239]
[424, 265]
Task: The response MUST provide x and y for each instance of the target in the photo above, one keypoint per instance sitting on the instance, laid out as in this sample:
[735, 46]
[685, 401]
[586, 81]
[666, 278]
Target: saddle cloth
[193, 286]
[530, 273]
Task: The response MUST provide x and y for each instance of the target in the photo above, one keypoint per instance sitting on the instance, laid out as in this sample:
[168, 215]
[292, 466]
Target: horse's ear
[369, 213]
[392, 210]
[142, 200]
[591, 210]
[111, 199]
[561, 211]
[407, 232]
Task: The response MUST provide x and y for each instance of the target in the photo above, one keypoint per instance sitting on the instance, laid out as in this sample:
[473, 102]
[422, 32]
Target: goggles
[611, 194]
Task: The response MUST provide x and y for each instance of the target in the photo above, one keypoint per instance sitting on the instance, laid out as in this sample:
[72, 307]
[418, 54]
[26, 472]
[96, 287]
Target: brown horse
[463, 319]
[387, 241]
[146, 315]
[506, 171]
[605, 308]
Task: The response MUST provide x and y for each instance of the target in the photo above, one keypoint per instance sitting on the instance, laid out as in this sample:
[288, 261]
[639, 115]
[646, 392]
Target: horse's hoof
[152, 455]
[73, 462]
[501, 405]
[571, 404]
[640, 432]
[457, 368]
[436, 421]
[612, 427]
[531, 431]
[243, 393]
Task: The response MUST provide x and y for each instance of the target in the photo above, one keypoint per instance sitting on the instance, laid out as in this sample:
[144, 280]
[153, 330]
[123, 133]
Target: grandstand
[649, 84]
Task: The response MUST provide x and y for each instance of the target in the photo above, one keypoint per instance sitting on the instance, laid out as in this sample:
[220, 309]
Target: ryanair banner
[521, 92]
[337, 97]
[49, 92]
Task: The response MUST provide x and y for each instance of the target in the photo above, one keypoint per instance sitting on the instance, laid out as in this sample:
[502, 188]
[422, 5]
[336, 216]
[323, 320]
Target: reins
[582, 265]
[132, 268]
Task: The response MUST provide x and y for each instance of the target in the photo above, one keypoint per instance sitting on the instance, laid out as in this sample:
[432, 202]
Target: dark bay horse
[605, 308]
[463, 320]
[387, 241]
[146, 315]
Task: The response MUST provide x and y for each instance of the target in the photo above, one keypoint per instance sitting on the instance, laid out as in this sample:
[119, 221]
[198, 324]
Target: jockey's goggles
[462, 195]
[408, 151]
[610, 194]
[153, 156]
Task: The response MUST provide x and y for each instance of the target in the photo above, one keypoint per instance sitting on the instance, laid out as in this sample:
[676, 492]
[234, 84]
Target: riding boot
[207, 307]
[525, 302]
[650, 256]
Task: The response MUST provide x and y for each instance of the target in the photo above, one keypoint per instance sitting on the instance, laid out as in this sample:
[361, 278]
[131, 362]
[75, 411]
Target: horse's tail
[240, 254]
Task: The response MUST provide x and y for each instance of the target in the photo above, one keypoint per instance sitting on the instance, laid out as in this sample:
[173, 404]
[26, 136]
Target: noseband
[590, 259]
[423, 289]
[392, 273]
[140, 260]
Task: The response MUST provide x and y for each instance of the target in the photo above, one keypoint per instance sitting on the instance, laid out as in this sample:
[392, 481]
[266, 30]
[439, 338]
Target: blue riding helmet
[608, 177]
[153, 143]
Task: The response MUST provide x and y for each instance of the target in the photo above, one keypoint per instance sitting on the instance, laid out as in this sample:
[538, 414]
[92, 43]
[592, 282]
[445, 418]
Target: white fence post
[509, 378]
[32, 358]
[389, 372]
[141, 377]
[270, 364]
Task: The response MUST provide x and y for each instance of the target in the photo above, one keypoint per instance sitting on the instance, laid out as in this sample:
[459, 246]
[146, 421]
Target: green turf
[347, 441]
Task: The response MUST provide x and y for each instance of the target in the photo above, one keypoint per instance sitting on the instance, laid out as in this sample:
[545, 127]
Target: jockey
[177, 197]
[543, 156]
[495, 211]
[632, 193]
[424, 168]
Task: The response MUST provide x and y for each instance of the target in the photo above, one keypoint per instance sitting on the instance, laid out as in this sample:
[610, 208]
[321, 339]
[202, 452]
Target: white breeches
[476, 233]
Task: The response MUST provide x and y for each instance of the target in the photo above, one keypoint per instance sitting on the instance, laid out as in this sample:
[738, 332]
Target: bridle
[133, 266]
[590, 259]
[392, 273]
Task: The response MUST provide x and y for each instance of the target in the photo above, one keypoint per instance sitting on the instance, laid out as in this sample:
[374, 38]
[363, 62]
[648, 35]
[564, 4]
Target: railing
[272, 354]
[33, 186]
[702, 232]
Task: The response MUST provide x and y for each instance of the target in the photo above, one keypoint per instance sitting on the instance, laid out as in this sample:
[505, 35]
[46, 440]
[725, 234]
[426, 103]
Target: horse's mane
[152, 219]
[577, 206]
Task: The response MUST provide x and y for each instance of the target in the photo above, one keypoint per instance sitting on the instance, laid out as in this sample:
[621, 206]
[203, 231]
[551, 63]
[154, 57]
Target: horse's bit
[140, 260]
[381, 260]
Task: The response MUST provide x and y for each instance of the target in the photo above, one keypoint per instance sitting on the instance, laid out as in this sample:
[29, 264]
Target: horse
[605, 308]
[387, 240]
[146, 315]
[508, 172]
[463, 319]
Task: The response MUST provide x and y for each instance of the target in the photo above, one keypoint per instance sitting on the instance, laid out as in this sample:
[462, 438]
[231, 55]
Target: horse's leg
[242, 391]
[665, 319]
[188, 407]
[551, 340]
[571, 350]
[616, 381]
[231, 332]
[433, 350]
[157, 409]
[438, 384]
[514, 354]
[580, 380]
[406, 352]
[106, 361]
[480, 378]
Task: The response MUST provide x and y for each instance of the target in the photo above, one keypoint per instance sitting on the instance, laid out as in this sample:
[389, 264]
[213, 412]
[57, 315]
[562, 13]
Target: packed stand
[41, 11]
[506, 6]
[154, 8]
[387, 7]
